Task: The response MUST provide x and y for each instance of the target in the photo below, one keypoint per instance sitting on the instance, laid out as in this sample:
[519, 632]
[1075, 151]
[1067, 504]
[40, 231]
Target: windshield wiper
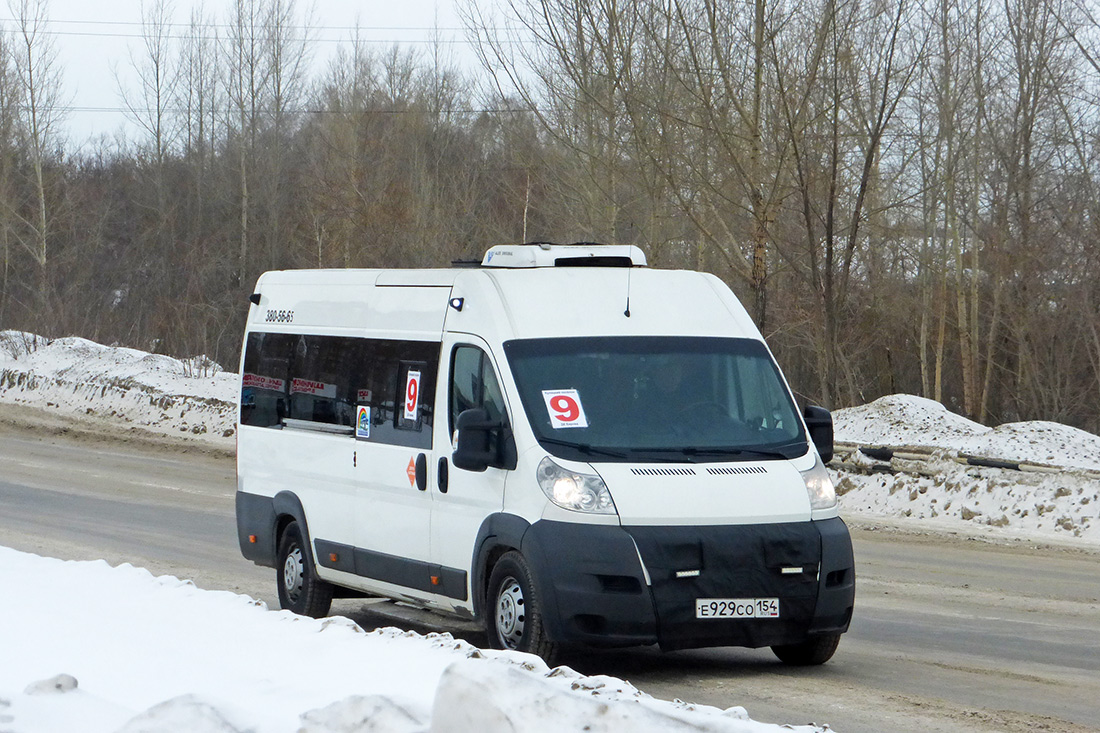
[585, 448]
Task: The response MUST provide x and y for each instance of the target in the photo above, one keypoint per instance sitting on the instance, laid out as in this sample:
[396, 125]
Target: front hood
[763, 492]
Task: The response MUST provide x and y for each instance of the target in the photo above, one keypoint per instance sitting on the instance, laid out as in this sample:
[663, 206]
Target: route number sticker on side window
[564, 406]
[412, 394]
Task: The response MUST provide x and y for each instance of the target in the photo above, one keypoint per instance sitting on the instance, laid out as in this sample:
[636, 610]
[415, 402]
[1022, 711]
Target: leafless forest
[904, 193]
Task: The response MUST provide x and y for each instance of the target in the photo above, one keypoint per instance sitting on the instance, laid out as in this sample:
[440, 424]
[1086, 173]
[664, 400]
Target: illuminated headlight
[819, 486]
[578, 492]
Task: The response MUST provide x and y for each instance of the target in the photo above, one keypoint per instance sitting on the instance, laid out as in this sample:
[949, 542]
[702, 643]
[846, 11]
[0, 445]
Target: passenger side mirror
[820, 424]
[475, 432]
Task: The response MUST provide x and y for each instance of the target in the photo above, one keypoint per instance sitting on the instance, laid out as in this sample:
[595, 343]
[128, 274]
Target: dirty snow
[905, 420]
[1055, 497]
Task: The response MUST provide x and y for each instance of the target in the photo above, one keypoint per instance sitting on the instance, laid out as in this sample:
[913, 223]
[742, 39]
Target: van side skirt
[415, 574]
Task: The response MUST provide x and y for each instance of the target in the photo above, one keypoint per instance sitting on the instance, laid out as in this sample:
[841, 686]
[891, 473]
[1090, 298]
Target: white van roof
[546, 254]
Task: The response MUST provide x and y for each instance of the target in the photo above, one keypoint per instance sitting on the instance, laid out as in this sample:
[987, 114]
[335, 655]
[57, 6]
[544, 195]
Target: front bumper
[596, 591]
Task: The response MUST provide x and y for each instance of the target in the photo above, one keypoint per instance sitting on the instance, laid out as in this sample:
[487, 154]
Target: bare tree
[248, 74]
[39, 75]
[10, 106]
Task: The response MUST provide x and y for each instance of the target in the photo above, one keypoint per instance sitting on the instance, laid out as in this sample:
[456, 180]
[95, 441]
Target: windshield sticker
[362, 422]
[412, 394]
[564, 406]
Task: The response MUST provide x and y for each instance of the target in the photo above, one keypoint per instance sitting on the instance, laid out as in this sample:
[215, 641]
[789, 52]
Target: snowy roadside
[192, 399]
[1052, 494]
[138, 654]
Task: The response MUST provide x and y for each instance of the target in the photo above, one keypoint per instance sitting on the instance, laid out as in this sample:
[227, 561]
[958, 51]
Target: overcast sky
[94, 38]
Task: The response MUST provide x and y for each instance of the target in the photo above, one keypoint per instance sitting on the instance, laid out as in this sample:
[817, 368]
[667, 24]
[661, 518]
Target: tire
[817, 650]
[514, 611]
[300, 590]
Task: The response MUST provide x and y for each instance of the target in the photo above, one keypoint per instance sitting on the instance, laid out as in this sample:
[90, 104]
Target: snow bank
[115, 649]
[1060, 503]
[193, 397]
[905, 420]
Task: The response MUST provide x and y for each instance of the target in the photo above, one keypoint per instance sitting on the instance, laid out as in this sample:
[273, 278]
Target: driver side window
[474, 384]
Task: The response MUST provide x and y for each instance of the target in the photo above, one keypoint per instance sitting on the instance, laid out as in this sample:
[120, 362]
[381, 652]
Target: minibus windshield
[656, 399]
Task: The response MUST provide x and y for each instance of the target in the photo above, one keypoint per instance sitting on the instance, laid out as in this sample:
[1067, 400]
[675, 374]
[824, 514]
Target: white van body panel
[544, 303]
[707, 493]
[318, 466]
[346, 301]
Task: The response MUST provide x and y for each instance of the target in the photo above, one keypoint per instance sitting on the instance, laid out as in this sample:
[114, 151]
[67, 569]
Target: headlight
[819, 486]
[578, 492]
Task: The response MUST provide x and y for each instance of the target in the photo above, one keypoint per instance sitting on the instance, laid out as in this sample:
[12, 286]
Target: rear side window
[265, 396]
[379, 390]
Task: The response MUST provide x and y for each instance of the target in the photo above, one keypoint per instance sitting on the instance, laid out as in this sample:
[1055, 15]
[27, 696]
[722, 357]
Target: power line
[182, 37]
[303, 111]
[231, 25]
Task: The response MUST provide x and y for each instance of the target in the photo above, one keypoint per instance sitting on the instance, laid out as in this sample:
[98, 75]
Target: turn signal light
[252, 538]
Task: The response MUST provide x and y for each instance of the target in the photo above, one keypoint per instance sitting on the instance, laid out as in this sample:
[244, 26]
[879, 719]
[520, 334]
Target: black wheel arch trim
[287, 504]
[498, 532]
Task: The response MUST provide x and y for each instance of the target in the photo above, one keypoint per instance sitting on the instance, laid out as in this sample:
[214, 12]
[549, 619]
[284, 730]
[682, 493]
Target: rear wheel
[808, 653]
[514, 611]
[300, 590]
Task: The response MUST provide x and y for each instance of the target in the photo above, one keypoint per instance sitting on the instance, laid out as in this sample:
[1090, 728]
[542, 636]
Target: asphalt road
[949, 634]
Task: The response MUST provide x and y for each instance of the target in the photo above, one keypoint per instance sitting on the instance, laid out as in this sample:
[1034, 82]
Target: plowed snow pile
[159, 393]
[1055, 495]
[905, 420]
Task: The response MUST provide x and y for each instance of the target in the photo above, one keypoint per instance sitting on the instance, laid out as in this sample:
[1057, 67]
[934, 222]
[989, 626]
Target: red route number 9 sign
[565, 409]
[412, 394]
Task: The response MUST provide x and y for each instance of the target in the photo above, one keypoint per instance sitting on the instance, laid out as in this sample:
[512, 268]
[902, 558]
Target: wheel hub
[292, 573]
[510, 614]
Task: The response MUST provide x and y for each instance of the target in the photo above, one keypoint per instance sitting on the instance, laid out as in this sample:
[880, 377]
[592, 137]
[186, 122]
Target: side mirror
[474, 450]
[820, 424]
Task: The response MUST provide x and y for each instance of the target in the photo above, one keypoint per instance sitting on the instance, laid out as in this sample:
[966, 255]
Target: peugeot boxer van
[560, 442]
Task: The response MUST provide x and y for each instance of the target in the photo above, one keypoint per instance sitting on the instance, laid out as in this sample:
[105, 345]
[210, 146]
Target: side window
[474, 384]
[266, 379]
[326, 379]
[396, 381]
[320, 386]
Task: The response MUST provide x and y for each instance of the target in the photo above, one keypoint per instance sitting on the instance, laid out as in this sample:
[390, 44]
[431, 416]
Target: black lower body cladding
[597, 594]
[256, 519]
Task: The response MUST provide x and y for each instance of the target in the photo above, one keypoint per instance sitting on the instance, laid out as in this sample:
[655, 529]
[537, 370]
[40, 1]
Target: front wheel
[513, 610]
[808, 653]
[300, 590]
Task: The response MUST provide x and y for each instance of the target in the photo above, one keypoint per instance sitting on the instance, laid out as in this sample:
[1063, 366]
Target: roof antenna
[627, 311]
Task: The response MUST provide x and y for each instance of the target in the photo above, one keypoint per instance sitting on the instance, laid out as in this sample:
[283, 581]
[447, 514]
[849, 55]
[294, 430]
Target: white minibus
[560, 442]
